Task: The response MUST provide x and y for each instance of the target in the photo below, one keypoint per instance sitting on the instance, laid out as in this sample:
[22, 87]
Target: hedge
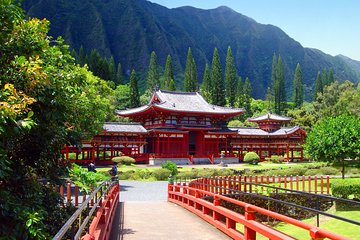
[344, 188]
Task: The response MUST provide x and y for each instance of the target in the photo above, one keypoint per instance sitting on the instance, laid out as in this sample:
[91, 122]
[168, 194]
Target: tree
[280, 96]
[47, 101]
[134, 91]
[334, 139]
[191, 78]
[331, 77]
[112, 70]
[81, 56]
[172, 86]
[217, 81]
[153, 73]
[298, 87]
[240, 93]
[247, 90]
[119, 76]
[230, 78]
[206, 84]
[319, 88]
[325, 78]
[168, 73]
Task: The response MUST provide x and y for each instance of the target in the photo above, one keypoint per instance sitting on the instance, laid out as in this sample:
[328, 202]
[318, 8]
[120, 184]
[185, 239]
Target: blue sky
[332, 26]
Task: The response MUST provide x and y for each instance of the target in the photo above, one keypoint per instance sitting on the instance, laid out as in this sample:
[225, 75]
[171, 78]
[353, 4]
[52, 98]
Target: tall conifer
[279, 87]
[168, 73]
[247, 91]
[153, 73]
[217, 80]
[230, 78]
[81, 56]
[240, 93]
[190, 79]
[134, 100]
[112, 70]
[298, 87]
[119, 76]
[331, 77]
[319, 87]
[206, 84]
[172, 86]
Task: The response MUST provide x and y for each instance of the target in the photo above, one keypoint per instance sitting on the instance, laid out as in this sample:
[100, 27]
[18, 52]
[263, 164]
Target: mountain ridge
[131, 29]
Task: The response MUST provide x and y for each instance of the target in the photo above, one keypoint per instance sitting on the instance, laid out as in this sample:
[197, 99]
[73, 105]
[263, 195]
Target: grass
[330, 224]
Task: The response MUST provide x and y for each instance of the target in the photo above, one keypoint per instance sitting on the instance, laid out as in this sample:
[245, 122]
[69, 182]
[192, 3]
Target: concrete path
[149, 216]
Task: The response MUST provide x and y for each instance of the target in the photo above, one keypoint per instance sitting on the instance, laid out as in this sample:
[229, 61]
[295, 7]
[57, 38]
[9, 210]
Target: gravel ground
[141, 191]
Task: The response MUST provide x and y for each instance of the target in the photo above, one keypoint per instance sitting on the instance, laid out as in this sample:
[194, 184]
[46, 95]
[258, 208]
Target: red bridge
[208, 198]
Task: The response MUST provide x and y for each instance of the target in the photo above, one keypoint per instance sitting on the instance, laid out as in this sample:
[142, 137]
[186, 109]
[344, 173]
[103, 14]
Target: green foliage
[217, 81]
[251, 157]
[191, 78]
[119, 76]
[170, 166]
[319, 87]
[344, 188]
[84, 179]
[230, 78]
[334, 138]
[276, 159]
[126, 160]
[298, 87]
[153, 73]
[206, 85]
[279, 85]
[134, 100]
[162, 174]
[168, 75]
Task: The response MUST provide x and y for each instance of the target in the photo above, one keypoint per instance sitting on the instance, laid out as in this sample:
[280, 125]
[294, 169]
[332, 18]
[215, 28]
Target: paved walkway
[144, 213]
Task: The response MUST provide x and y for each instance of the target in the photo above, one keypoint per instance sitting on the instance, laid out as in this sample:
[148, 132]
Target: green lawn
[342, 228]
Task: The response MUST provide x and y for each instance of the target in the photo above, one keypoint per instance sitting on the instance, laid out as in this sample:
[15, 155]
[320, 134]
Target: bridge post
[249, 234]
[216, 202]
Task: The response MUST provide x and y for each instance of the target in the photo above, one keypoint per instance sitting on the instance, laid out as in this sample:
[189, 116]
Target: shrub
[161, 174]
[276, 159]
[329, 171]
[170, 166]
[126, 160]
[251, 157]
[343, 188]
[313, 172]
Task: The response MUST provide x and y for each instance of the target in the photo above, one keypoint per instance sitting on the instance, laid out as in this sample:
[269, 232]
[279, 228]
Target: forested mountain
[130, 29]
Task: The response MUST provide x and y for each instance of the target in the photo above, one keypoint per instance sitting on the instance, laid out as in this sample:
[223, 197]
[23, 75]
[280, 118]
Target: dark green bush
[313, 172]
[275, 159]
[126, 160]
[329, 171]
[251, 157]
[161, 174]
[170, 166]
[344, 188]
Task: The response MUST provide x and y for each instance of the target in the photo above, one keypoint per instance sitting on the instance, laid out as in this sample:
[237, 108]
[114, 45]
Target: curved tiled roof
[259, 132]
[269, 117]
[181, 102]
[124, 127]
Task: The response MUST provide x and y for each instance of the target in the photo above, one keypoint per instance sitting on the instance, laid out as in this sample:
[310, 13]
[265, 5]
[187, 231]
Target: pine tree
[73, 54]
[331, 77]
[217, 80]
[134, 99]
[81, 56]
[119, 76]
[273, 72]
[279, 87]
[190, 79]
[168, 73]
[318, 85]
[153, 73]
[325, 78]
[206, 84]
[298, 87]
[247, 91]
[172, 86]
[112, 70]
[269, 99]
[240, 93]
[230, 78]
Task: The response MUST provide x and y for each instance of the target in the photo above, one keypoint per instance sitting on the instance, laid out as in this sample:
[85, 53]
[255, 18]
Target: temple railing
[194, 196]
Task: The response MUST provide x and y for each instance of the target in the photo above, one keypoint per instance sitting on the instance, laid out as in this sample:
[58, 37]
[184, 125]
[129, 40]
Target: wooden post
[327, 184]
[68, 192]
[303, 183]
[76, 195]
[315, 184]
[297, 183]
[309, 183]
[249, 234]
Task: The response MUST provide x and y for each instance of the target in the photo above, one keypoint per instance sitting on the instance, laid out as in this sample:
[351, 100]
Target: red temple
[184, 128]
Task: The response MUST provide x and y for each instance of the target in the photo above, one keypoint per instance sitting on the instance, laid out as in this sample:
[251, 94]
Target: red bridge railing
[191, 196]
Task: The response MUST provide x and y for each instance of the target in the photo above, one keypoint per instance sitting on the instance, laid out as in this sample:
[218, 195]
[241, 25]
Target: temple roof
[190, 102]
[260, 132]
[269, 117]
[124, 127]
